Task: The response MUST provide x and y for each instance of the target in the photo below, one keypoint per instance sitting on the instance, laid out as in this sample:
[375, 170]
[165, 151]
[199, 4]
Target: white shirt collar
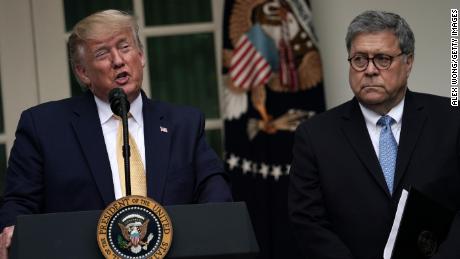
[105, 112]
[372, 117]
[136, 110]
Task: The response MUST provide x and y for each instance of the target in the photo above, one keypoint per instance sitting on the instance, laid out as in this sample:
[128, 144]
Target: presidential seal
[427, 243]
[134, 227]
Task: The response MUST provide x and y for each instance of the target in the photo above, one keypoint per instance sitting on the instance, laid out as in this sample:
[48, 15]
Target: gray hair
[377, 21]
[95, 25]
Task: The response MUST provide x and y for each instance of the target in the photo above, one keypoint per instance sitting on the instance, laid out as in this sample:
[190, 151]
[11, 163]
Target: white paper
[394, 230]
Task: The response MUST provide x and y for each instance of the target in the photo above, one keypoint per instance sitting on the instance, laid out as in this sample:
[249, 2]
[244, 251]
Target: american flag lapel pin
[163, 129]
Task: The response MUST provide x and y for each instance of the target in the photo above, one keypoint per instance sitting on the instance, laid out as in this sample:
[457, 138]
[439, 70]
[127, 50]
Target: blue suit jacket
[59, 160]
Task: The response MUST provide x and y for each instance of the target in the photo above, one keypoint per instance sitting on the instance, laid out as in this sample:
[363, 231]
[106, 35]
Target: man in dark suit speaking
[65, 156]
[351, 163]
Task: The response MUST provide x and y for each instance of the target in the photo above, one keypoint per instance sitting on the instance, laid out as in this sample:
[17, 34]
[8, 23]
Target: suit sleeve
[212, 183]
[309, 220]
[450, 249]
[24, 176]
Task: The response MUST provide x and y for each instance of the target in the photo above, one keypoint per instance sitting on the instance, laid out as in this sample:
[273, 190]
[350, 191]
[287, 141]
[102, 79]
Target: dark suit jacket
[59, 160]
[339, 204]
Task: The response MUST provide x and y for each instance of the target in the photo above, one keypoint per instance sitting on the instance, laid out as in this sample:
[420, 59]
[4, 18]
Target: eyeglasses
[359, 62]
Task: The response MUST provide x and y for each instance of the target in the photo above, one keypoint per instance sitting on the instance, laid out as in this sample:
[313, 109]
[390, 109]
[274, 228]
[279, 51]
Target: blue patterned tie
[388, 148]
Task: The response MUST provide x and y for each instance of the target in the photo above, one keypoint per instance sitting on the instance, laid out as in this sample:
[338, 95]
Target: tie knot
[385, 121]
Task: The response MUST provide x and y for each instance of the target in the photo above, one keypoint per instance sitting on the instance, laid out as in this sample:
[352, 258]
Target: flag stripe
[248, 67]
[240, 54]
[243, 66]
[236, 70]
[244, 69]
[253, 70]
[262, 77]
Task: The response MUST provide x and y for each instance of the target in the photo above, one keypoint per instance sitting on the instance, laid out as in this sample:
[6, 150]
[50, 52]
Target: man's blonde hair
[96, 25]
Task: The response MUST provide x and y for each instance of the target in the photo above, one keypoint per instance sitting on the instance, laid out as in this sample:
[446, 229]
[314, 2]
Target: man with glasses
[351, 163]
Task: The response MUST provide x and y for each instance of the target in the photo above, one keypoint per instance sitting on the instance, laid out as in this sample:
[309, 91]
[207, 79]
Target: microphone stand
[120, 106]
[126, 147]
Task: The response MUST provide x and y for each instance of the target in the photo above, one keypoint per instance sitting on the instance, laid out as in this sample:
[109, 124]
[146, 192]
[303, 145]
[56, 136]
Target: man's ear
[142, 57]
[80, 71]
[409, 62]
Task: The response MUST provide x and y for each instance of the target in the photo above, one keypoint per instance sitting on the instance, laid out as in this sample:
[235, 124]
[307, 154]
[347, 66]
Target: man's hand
[5, 241]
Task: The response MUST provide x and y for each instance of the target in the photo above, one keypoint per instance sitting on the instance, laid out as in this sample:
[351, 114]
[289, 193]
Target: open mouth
[122, 78]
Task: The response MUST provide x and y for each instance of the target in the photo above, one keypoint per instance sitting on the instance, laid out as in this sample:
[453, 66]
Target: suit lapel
[412, 124]
[157, 135]
[354, 128]
[88, 130]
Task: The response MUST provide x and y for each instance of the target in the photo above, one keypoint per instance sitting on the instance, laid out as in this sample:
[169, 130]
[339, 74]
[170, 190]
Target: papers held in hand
[420, 226]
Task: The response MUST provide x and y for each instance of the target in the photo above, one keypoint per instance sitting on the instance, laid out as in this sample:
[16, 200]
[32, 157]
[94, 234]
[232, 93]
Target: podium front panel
[213, 230]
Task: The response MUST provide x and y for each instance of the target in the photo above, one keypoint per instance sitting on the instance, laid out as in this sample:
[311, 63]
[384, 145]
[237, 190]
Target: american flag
[250, 64]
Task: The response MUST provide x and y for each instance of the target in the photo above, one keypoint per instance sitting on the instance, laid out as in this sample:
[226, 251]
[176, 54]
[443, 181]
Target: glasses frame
[373, 62]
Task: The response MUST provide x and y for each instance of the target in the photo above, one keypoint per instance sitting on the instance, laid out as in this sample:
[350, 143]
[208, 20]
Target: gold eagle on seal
[134, 234]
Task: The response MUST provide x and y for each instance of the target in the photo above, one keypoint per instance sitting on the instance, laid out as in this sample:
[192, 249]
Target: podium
[212, 230]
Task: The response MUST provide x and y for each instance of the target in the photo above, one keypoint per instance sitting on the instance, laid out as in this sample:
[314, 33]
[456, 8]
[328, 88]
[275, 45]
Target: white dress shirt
[372, 117]
[110, 128]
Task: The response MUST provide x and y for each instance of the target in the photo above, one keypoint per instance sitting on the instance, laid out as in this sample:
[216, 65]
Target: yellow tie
[138, 182]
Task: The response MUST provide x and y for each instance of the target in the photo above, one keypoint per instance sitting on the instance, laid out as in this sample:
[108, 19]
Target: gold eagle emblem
[134, 234]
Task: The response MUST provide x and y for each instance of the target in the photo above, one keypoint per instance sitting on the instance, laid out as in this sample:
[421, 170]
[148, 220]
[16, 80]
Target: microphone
[120, 106]
[118, 101]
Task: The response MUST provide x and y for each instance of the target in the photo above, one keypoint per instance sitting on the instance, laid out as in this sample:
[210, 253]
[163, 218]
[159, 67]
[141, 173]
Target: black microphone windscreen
[117, 98]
